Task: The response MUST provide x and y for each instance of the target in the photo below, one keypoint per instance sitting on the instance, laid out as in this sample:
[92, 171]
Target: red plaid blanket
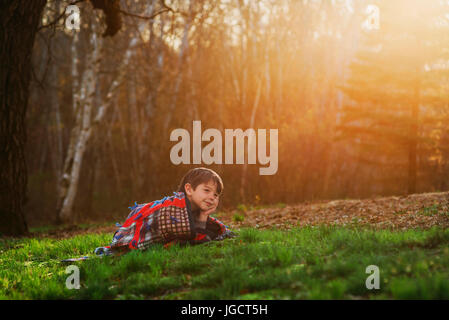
[165, 221]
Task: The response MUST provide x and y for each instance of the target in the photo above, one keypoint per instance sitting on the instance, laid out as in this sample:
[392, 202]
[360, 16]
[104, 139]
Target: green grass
[433, 210]
[301, 263]
[429, 211]
[238, 217]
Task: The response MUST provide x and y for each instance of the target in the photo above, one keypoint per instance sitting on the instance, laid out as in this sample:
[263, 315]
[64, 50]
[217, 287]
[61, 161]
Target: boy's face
[204, 197]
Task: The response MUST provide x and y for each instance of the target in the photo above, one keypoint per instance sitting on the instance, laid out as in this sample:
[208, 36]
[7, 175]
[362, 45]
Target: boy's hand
[204, 214]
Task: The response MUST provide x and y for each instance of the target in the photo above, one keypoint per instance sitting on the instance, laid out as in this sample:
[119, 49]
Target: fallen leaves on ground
[397, 212]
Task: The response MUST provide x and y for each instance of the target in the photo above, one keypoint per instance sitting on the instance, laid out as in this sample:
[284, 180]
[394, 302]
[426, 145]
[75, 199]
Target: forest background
[358, 91]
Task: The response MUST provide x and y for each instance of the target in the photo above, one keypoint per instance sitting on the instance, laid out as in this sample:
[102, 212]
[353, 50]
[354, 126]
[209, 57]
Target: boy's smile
[204, 197]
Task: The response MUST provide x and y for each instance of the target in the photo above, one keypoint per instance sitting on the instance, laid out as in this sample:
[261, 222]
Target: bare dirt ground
[398, 212]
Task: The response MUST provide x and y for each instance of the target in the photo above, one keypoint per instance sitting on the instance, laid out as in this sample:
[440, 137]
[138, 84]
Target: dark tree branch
[144, 17]
[163, 4]
[111, 9]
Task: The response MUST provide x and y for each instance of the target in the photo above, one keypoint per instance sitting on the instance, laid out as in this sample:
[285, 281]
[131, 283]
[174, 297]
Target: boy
[181, 218]
[202, 188]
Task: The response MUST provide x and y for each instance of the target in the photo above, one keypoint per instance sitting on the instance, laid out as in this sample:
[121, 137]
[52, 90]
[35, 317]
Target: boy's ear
[188, 188]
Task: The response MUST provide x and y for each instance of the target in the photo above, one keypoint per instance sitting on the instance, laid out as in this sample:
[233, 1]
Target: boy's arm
[202, 234]
[202, 217]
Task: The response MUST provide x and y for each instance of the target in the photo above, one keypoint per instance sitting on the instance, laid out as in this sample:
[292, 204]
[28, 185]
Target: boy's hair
[198, 176]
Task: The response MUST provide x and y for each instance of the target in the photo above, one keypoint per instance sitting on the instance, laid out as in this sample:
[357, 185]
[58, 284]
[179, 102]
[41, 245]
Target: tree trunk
[85, 123]
[19, 21]
[80, 134]
[180, 68]
[250, 142]
[413, 136]
[75, 62]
